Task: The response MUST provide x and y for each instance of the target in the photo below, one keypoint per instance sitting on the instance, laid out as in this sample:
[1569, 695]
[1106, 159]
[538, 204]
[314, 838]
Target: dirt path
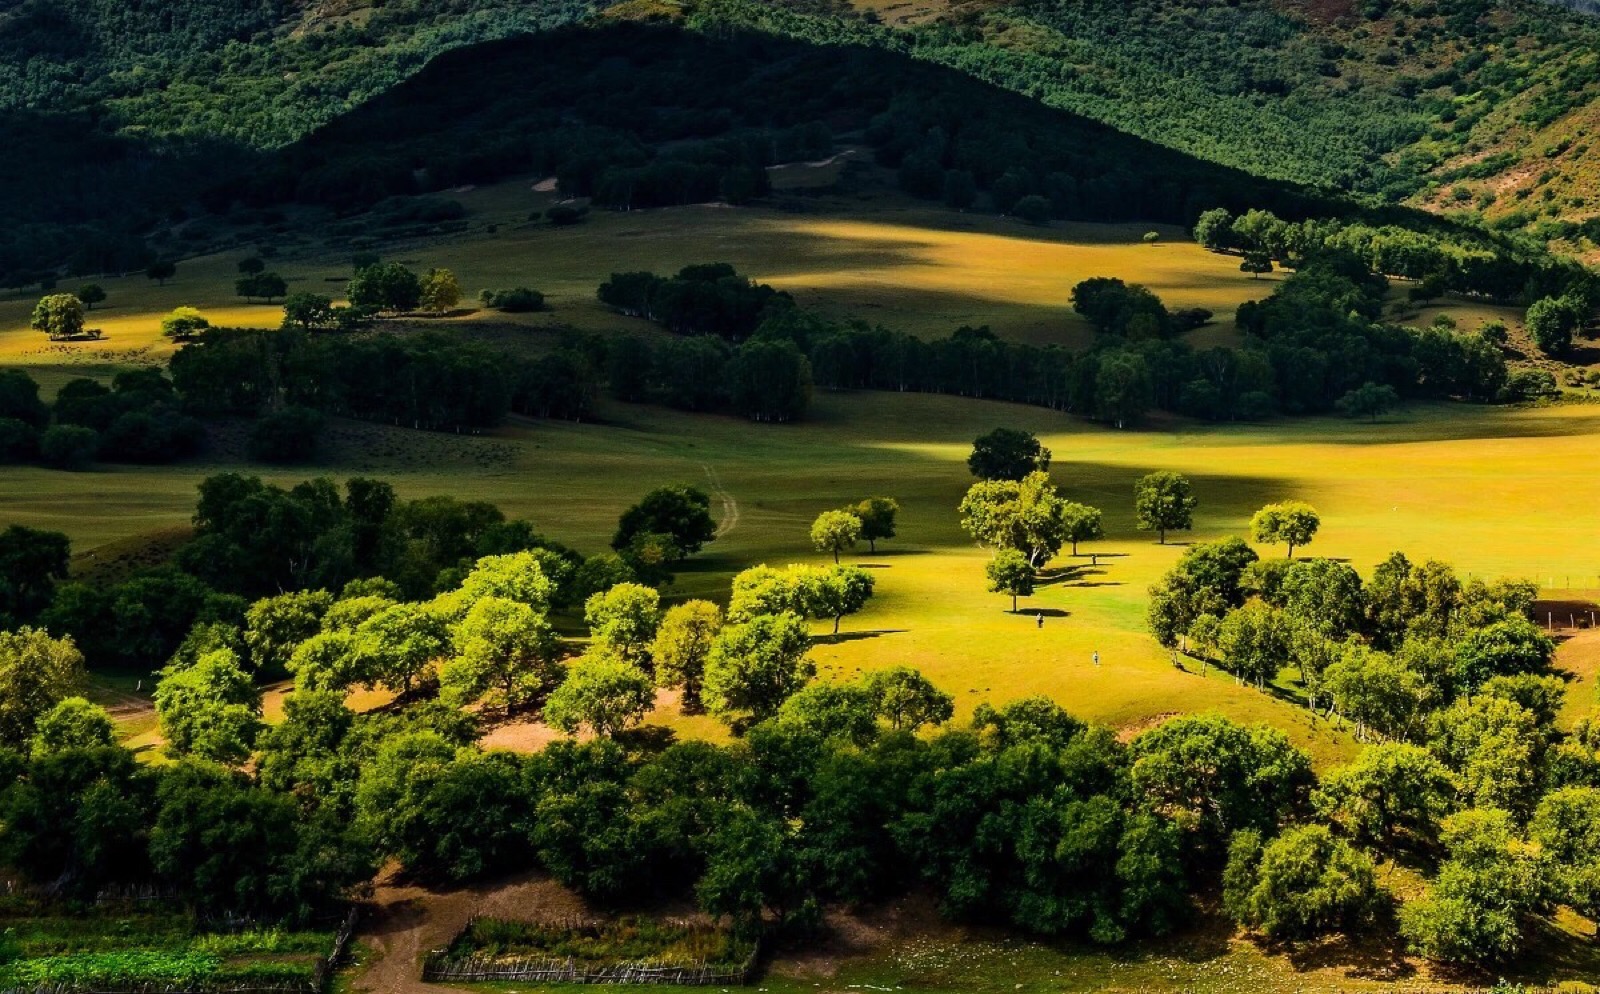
[730, 506]
[408, 921]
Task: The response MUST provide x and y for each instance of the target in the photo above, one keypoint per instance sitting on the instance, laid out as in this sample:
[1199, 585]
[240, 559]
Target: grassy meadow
[909, 267]
[1489, 490]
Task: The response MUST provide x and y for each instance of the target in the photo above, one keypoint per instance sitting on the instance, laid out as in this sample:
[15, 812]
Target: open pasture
[1489, 490]
[915, 269]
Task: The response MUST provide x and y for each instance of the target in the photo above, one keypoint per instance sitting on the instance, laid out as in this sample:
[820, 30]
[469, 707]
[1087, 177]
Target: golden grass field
[1493, 491]
[1497, 492]
[910, 268]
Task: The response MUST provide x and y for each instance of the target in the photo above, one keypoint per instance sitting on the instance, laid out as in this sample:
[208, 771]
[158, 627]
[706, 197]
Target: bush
[1527, 384]
[1033, 209]
[288, 436]
[515, 301]
[19, 441]
[562, 215]
[70, 447]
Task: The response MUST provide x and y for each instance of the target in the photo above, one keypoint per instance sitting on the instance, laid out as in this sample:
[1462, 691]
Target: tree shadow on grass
[842, 637]
[1375, 953]
[1033, 612]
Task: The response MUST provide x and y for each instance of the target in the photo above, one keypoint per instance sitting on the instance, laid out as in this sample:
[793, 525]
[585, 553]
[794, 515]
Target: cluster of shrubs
[138, 419]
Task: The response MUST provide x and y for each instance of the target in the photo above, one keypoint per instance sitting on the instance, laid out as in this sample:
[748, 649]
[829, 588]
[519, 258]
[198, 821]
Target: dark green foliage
[710, 299]
[70, 447]
[1213, 777]
[19, 399]
[515, 301]
[1007, 454]
[31, 561]
[682, 513]
[287, 436]
[428, 381]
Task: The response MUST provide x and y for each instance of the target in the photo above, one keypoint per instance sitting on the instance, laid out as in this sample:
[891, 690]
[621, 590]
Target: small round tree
[1293, 523]
[835, 531]
[1164, 502]
[602, 692]
[1082, 523]
[91, 294]
[59, 315]
[183, 324]
[1010, 572]
[161, 271]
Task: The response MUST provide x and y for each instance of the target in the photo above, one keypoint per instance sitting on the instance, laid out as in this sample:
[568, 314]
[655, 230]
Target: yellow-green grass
[911, 268]
[1493, 491]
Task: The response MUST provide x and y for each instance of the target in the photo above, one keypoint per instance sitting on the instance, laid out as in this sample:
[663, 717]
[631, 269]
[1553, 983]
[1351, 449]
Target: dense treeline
[1500, 271]
[1454, 681]
[1316, 345]
[427, 381]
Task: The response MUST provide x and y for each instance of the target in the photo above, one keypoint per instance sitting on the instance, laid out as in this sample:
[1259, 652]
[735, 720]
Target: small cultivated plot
[636, 941]
[123, 948]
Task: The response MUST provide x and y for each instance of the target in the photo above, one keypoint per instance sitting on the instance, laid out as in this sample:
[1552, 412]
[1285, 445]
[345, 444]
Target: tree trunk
[836, 556]
[1013, 603]
[836, 623]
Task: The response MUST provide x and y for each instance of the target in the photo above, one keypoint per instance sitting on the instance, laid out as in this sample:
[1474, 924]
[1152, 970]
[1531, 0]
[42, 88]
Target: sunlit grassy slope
[912, 269]
[1493, 491]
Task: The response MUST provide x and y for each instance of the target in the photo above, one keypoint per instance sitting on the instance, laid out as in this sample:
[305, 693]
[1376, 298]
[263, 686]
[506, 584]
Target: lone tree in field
[1256, 263]
[440, 291]
[837, 592]
[385, 287]
[1024, 515]
[835, 531]
[1007, 454]
[1164, 502]
[1293, 523]
[60, 315]
[877, 516]
[161, 272]
[683, 513]
[266, 286]
[1082, 523]
[183, 324]
[1010, 572]
[91, 294]
[1552, 321]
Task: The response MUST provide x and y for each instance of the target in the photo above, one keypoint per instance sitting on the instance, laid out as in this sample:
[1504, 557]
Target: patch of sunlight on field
[1492, 490]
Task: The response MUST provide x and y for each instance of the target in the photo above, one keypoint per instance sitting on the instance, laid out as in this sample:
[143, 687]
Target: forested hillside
[1478, 107]
[124, 112]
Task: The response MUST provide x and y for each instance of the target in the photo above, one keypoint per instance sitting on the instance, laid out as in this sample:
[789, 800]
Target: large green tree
[37, 672]
[755, 666]
[1164, 502]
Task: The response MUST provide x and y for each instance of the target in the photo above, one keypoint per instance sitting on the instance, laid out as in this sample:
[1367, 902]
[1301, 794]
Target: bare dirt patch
[408, 920]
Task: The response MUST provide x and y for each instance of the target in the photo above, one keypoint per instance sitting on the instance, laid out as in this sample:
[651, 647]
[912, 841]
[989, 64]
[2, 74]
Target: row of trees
[1316, 345]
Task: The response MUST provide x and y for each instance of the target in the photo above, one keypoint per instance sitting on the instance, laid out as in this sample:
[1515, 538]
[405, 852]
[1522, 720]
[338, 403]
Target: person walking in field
[1039, 619]
[1097, 657]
